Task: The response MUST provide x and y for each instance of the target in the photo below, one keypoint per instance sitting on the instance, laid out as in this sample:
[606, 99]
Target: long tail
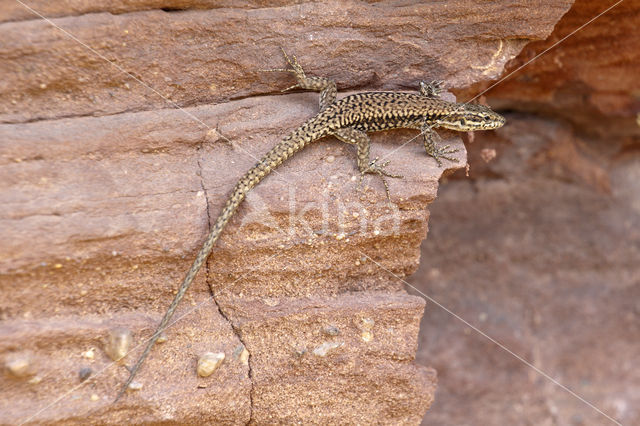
[276, 156]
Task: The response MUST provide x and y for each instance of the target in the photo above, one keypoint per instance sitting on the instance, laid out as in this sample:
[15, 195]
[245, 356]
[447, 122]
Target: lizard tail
[276, 156]
[227, 212]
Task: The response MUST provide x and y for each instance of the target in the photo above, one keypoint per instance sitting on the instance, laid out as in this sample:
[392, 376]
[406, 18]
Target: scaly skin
[349, 120]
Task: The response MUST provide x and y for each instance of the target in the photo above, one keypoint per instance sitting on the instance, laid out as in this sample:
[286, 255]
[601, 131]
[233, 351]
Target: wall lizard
[349, 120]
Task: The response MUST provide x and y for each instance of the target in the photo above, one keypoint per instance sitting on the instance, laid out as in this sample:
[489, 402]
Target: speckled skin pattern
[349, 120]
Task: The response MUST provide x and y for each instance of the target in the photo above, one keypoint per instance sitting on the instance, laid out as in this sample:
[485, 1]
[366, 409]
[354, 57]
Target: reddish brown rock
[14, 11]
[206, 56]
[120, 238]
[550, 271]
[589, 79]
[105, 197]
[548, 234]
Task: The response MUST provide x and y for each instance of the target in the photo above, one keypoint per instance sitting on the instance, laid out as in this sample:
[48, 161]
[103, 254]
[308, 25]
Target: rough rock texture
[590, 79]
[194, 57]
[118, 219]
[546, 239]
[107, 190]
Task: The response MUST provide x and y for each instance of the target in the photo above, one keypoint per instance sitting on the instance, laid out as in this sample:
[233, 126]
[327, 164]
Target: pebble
[209, 362]
[118, 343]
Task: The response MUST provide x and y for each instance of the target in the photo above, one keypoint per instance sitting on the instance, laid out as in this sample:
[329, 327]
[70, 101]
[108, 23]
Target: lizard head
[469, 117]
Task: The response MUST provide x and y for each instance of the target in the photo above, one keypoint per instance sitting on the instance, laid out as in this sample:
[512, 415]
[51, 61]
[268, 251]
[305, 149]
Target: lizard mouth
[497, 123]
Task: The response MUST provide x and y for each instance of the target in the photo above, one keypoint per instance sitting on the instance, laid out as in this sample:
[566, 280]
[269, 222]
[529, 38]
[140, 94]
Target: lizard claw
[432, 89]
[379, 170]
[296, 70]
[443, 152]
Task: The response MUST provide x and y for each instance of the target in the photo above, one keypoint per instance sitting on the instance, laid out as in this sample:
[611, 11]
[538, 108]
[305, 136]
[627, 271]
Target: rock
[208, 363]
[548, 235]
[118, 343]
[298, 368]
[198, 57]
[20, 365]
[550, 271]
[106, 196]
[589, 79]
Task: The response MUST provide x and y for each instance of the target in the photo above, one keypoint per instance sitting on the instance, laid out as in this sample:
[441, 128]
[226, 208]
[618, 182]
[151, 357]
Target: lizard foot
[379, 170]
[432, 89]
[438, 153]
[296, 69]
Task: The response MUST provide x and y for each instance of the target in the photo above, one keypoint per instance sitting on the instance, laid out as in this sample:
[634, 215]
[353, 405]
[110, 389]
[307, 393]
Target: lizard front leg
[429, 137]
[325, 86]
[365, 164]
[431, 90]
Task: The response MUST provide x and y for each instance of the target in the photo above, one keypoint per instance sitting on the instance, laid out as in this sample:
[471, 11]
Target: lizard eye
[462, 121]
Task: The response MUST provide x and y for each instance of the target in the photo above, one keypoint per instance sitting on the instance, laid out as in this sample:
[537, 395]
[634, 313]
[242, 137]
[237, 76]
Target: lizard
[349, 120]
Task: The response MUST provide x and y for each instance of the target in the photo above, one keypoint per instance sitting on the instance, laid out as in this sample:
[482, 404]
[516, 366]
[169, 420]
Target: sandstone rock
[105, 196]
[199, 57]
[589, 79]
[119, 219]
[550, 271]
[548, 234]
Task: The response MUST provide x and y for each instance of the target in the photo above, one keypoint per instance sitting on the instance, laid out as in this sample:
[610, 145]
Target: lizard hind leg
[325, 86]
[365, 164]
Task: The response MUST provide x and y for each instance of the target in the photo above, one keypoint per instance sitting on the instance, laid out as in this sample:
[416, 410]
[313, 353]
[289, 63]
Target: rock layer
[548, 234]
[105, 196]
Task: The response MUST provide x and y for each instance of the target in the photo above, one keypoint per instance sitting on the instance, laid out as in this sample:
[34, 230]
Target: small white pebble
[118, 343]
[331, 159]
[90, 354]
[19, 365]
[135, 386]
[35, 380]
[331, 330]
[213, 135]
[368, 323]
[244, 357]
[324, 348]
[209, 362]
[94, 397]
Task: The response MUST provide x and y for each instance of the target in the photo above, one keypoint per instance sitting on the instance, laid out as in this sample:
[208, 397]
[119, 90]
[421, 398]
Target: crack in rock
[236, 332]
